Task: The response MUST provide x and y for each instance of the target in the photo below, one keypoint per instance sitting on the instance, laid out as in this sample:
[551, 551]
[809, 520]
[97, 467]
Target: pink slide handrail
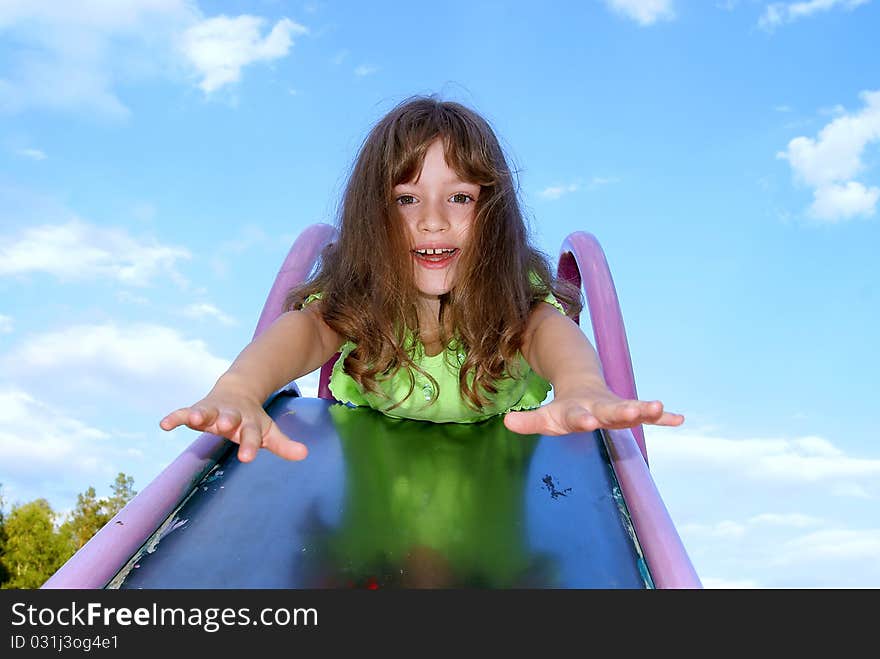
[664, 552]
[582, 261]
[98, 561]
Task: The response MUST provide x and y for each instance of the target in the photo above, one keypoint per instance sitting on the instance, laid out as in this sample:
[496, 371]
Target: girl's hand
[243, 421]
[577, 414]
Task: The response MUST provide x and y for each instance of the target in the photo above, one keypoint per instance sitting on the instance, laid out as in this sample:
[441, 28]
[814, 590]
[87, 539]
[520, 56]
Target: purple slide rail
[582, 261]
[98, 561]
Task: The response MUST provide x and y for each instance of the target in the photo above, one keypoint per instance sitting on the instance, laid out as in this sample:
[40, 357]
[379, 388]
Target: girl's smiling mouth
[435, 258]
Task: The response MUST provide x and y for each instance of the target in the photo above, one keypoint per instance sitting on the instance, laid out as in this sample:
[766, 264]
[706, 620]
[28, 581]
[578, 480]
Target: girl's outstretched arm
[296, 343]
[557, 350]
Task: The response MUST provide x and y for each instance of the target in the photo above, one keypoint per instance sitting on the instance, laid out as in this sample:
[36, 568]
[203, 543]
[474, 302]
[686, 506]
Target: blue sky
[159, 157]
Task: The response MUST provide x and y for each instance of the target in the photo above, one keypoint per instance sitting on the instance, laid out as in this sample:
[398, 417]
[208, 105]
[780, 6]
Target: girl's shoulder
[329, 336]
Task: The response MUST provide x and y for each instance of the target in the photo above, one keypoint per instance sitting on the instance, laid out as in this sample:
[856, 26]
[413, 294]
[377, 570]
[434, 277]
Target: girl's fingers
[618, 414]
[579, 419]
[195, 417]
[632, 413]
[654, 413]
[670, 419]
[652, 410]
[205, 418]
[524, 423]
[227, 422]
[230, 423]
[282, 446]
[551, 420]
[176, 418]
[250, 441]
[202, 417]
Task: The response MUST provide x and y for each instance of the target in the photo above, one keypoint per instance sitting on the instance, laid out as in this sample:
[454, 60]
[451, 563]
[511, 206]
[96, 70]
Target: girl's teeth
[435, 255]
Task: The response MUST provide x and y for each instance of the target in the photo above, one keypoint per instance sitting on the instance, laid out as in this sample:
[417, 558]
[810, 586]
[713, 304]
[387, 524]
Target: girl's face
[438, 210]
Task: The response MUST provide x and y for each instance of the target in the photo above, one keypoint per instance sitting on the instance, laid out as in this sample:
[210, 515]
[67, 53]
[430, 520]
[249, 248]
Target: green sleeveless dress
[525, 392]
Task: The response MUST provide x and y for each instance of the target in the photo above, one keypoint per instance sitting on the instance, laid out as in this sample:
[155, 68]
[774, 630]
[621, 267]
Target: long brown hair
[369, 292]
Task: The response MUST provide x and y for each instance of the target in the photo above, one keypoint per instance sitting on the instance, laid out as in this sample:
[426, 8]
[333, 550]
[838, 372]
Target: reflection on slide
[384, 502]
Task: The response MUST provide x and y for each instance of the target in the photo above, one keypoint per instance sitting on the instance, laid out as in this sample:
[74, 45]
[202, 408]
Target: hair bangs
[465, 143]
[469, 151]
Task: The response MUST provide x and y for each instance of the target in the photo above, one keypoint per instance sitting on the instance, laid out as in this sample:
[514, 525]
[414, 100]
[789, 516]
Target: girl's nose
[432, 219]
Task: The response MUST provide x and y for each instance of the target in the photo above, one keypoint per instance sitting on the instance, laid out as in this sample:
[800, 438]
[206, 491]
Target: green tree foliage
[92, 513]
[4, 573]
[86, 520]
[32, 543]
[34, 550]
[123, 492]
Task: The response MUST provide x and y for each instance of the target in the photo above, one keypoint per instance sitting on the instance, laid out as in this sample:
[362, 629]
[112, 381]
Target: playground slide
[395, 503]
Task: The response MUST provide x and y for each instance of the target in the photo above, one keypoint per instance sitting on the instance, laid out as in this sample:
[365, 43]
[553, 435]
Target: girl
[440, 308]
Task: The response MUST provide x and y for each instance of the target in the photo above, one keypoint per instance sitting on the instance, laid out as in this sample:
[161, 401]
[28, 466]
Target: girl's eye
[458, 198]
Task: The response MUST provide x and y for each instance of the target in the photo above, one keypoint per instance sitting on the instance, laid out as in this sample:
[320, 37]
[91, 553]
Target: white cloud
[765, 511]
[732, 529]
[644, 12]
[202, 310]
[834, 202]
[127, 377]
[71, 56]
[5, 324]
[556, 191]
[724, 529]
[77, 250]
[852, 490]
[45, 451]
[834, 110]
[840, 544]
[108, 364]
[130, 298]
[124, 376]
[801, 461]
[18, 408]
[364, 70]
[795, 520]
[830, 162]
[144, 351]
[598, 181]
[782, 555]
[220, 47]
[777, 13]
[835, 155]
[97, 15]
[33, 154]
